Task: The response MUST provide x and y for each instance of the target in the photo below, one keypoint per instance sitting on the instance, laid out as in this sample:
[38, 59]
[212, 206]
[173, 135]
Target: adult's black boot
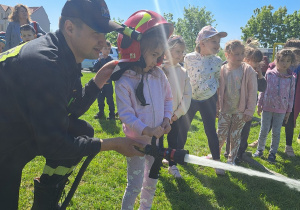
[46, 197]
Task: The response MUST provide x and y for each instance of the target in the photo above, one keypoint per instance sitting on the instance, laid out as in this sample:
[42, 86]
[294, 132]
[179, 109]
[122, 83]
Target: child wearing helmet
[144, 98]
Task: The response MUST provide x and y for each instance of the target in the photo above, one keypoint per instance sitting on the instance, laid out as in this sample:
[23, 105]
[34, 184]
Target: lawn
[104, 182]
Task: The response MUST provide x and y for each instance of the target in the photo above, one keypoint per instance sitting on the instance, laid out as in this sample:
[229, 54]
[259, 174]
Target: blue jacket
[13, 37]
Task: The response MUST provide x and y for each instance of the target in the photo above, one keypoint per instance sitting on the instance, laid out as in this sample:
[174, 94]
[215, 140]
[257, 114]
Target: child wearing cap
[203, 67]
[2, 45]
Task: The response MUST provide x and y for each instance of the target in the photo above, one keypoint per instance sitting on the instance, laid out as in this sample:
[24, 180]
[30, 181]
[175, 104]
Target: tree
[269, 27]
[169, 18]
[189, 26]
[221, 54]
[292, 22]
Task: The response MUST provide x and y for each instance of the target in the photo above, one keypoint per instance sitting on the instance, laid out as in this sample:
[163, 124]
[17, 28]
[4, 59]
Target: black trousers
[106, 92]
[207, 110]
[13, 162]
[52, 172]
[289, 129]
[173, 140]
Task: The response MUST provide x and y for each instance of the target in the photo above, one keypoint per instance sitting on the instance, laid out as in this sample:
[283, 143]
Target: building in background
[38, 14]
[4, 12]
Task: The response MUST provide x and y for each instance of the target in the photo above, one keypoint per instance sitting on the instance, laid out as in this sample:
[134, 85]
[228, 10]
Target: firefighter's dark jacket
[40, 88]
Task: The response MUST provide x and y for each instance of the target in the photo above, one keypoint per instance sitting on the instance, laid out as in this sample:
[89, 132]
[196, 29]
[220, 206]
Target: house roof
[4, 7]
[33, 9]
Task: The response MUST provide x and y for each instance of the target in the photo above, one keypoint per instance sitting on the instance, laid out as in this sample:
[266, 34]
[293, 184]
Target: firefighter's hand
[122, 145]
[104, 73]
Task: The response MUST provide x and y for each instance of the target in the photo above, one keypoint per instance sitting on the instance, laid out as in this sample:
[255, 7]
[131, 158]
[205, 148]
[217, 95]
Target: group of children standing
[154, 101]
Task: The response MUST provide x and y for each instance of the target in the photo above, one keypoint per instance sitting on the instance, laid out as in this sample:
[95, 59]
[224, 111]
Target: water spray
[182, 157]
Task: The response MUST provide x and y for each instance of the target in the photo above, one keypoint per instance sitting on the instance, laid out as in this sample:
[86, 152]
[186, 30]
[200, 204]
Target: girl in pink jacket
[276, 102]
[237, 97]
[144, 98]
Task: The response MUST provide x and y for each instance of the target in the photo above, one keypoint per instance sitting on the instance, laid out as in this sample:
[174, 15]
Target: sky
[230, 15]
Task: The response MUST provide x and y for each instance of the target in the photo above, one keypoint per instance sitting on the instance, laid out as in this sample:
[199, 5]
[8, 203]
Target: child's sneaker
[219, 171]
[209, 156]
[258, 153]
[272, 158]
[289, 151]
[165, 162]
[253, 144]
[231, 163]
[174, 171]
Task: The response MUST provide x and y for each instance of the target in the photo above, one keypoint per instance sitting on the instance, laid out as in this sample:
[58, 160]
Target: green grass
[104, 182]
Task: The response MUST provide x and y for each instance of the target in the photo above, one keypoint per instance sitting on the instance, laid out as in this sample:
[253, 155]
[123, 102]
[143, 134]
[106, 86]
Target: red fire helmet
[142, 21]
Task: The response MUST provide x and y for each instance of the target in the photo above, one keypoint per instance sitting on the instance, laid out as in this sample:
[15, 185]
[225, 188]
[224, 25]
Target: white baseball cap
[207, 32]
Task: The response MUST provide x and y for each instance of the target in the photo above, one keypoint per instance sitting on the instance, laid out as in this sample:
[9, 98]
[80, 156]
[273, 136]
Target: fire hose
[159, 153]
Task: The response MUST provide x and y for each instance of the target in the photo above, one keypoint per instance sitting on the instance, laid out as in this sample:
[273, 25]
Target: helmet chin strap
[142, 62]
[125, 66]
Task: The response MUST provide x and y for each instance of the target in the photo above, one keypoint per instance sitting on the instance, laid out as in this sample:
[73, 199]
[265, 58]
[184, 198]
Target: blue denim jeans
[266, 119]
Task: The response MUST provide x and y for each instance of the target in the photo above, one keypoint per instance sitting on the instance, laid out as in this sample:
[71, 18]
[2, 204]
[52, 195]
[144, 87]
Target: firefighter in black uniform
[41, 98]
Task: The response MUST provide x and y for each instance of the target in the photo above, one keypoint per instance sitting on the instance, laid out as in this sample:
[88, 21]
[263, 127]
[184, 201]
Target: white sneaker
[164, 161]
[174, 171]
[289, 151]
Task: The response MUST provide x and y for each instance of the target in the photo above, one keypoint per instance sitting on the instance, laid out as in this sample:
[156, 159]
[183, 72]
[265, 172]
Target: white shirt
[204, 73]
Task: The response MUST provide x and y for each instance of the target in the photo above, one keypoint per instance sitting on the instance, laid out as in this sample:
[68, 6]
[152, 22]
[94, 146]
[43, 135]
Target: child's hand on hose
[166, 125]
[286, 117]
[156, 131]
[259, 110]
[247, 118]
[174, 118]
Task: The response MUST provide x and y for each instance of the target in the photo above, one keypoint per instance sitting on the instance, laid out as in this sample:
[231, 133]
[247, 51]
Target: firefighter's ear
[69, 27]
